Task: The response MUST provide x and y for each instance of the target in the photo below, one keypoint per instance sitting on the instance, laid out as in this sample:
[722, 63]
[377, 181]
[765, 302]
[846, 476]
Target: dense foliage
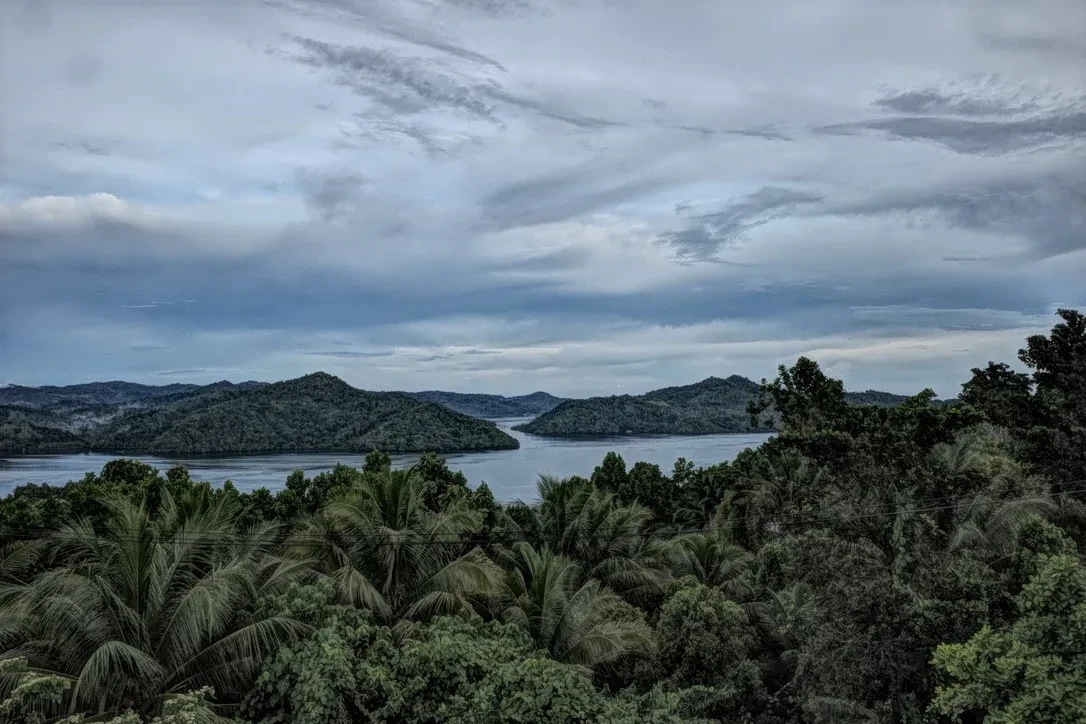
[317, 412]
[20, 435]
[491, 406]
[868, 564]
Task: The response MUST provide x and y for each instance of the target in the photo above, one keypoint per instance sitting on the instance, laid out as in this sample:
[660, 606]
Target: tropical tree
[387, 551]
[146, 608]
[780, 619]
[714, 559]
[576, 619]
[610, 541]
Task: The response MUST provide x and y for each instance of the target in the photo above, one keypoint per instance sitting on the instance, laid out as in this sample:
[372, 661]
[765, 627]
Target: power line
[470, 539]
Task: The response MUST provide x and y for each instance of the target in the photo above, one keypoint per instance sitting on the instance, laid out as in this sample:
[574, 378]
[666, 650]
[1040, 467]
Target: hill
[102, 393]
[880, 399]
[712, 406]
[21, 437]
[317, 412]
[491, 406]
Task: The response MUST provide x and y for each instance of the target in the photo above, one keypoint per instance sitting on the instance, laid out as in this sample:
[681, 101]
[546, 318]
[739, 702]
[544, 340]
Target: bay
[510, 474]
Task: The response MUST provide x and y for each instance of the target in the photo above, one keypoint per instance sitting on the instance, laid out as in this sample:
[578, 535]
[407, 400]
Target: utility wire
[418, 539]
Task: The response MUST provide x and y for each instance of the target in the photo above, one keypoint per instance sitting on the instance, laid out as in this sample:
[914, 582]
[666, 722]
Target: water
[511, 474]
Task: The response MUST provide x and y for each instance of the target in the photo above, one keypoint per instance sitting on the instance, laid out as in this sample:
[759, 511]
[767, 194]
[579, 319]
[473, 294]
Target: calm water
[509, 473]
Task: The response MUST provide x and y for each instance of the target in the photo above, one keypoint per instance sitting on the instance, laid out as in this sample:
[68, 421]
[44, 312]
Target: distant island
[713, 406]
[315, 413]
[492, 406]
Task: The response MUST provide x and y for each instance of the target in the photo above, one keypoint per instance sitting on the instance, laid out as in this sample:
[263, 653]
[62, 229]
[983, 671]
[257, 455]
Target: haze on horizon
[583, 197]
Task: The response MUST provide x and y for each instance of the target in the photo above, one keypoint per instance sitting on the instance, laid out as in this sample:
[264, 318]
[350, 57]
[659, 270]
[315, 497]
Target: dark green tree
[1055, 438]
[1000, 393]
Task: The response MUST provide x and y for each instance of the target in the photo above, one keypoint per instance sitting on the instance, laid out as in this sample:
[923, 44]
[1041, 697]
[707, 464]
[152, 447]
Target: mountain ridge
[492, 406]
[314, 413]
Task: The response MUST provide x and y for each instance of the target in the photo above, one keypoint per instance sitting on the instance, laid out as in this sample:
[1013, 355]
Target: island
[492, 406]
[314, 413]
[713, 406]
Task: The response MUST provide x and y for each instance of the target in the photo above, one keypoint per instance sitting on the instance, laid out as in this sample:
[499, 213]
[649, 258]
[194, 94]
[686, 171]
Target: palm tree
[611, 542]
[148, 607]
[577, 620]
[780, 619]
[989, 528]
[787, 491]
[715, 561]
[386, 551]
[714, 558]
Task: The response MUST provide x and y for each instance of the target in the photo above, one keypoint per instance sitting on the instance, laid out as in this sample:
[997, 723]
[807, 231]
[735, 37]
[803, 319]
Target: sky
[586, 197]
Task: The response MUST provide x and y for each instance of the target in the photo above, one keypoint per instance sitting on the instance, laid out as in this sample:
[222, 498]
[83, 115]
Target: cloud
[190, 372]
[707, 234]
[330, 193]
[982, 115]
[1047, 213]
[977, 136]
[348, 354]
[401, 85]
[510, 196]
[384, 20]
[70, 211]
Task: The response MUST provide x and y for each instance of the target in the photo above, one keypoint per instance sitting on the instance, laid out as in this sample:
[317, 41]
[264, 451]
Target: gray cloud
[983, 115]
[405, 85]
[558, 197]
[330, 193]
[1054, 44]
[382, 19]
[548, 110]
[402, 85]
[934, 101]
[766, 132]
[1048, 213]
[976, 136]
[705, 235]
[348, 354]
[86, 147]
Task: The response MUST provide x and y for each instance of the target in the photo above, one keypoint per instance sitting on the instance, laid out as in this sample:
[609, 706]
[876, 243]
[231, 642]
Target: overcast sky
[580, 196]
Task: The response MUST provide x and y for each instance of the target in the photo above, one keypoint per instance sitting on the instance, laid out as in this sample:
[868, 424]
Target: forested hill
[317, 412]
[714, 405]
[491, 406]
[879, 399]
[91, 393]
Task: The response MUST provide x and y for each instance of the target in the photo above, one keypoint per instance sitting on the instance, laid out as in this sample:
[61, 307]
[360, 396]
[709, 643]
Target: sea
[510, 474]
